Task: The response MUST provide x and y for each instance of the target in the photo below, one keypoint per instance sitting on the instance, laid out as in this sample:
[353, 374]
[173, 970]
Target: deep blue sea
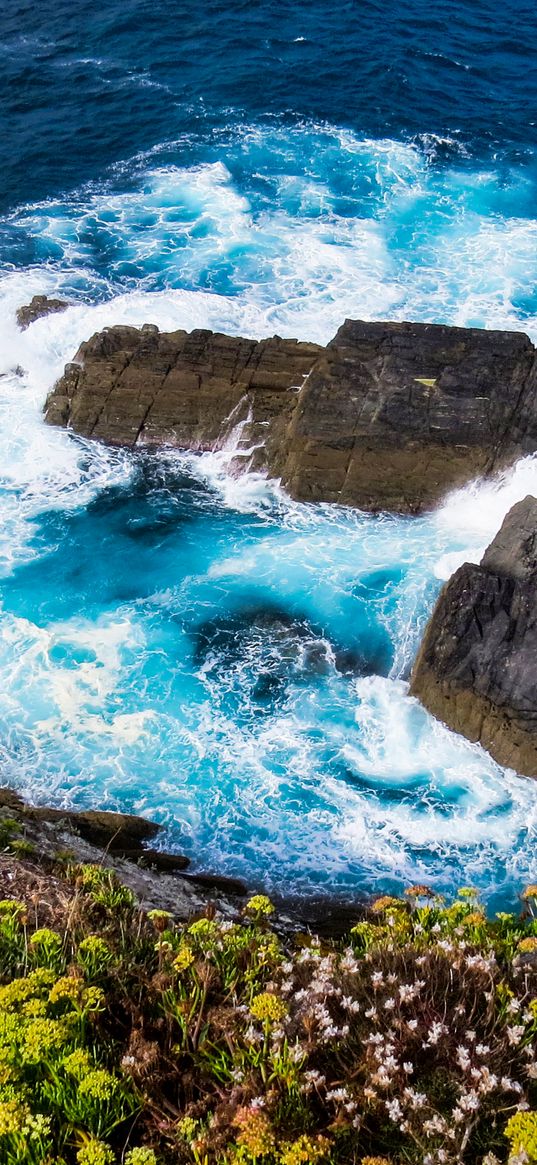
[177, 642]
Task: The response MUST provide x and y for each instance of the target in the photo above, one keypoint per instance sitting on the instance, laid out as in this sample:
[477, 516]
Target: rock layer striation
[477, 666]
[389, 416]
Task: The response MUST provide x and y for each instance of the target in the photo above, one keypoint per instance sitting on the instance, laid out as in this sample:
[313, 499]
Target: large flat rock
[389, 416]
[477, 666]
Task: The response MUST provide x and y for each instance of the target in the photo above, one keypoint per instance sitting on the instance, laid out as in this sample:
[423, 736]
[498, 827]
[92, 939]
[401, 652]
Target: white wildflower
[510, 1085]
[394, 1109]
[437, 1030]
[408, 991]
[515, 1033]
[337, 1094]
[349, 963]
[415, 1099]
[462, 1057]
[469, 1101]
[436, 1124]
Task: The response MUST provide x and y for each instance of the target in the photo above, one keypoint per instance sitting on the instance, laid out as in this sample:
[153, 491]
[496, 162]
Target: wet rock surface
[196, 391]
[389, 416]
[395, 415]
[477, 666]
[39, 306]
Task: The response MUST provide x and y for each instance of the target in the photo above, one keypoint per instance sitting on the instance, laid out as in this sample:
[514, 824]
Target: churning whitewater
[197, 648]
[202, 650]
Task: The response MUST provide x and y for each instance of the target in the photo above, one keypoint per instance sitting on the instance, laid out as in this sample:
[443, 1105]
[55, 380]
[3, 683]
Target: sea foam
[199, 647]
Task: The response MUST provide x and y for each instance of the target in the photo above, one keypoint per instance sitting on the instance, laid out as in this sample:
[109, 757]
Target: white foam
[475, 513]
[317, 265]
[406, 241]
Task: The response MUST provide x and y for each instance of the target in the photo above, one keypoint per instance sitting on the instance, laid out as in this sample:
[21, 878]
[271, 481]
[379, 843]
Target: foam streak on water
[199, 648]
[299, 228]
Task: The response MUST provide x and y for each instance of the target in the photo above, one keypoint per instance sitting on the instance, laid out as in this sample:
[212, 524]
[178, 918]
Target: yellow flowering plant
[135, 1039]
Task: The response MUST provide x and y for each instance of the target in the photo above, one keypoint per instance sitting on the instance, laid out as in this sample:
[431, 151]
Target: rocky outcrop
[395, 415]
[477, 666]
[39, 306]
[117, 840]
[387, 416]
[191, 391]
[37, 839]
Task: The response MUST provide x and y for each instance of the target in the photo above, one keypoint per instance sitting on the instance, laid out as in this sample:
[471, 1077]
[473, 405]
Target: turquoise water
[200, 649]
[177, 642]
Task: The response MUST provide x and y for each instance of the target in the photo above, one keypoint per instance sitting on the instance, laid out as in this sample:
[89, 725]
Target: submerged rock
[40, 305]
[389, 416]
[256, 655]
[477, 666]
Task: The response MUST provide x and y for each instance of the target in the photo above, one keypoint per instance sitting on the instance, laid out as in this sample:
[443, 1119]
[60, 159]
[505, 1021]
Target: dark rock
[40, 305]
[115, 840]
[11, 801]
[116, 832]
[395, 415]
[218, 884]
[156, 859]
[325, 916]
[142, 387]
[477, 666]
[156, 878]
[387, 416]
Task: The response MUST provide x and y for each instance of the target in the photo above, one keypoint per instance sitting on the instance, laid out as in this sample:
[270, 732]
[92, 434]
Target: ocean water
[177, 642]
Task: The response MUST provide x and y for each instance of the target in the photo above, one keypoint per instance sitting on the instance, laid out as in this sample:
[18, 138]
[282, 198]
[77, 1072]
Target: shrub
[216, 1043]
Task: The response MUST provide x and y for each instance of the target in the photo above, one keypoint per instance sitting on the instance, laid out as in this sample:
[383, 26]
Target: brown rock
[388, 416]
[146, 388]
[117, 832]
[395, 415]
[218, 884]
[40, 305]
[477, 666]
